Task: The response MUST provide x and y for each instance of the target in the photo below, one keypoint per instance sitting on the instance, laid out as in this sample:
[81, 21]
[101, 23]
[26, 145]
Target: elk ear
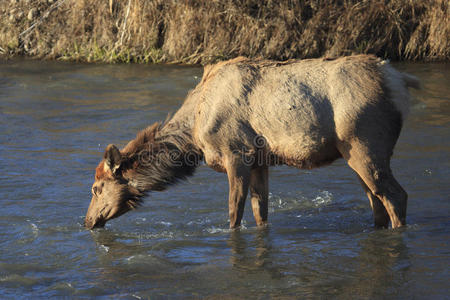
[113, 158]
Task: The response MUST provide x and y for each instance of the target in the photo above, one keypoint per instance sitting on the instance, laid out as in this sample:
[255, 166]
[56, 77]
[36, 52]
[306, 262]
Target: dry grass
[188, 31]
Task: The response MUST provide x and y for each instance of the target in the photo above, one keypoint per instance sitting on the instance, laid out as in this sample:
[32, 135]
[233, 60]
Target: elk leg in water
[377, 176]
[380, 215]
[259, 190]
[238, 179]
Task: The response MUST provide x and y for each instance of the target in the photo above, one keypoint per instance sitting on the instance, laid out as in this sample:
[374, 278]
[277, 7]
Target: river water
[55, 121]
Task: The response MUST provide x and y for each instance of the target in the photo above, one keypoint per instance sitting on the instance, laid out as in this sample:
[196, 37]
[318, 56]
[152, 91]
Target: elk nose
[88, 223]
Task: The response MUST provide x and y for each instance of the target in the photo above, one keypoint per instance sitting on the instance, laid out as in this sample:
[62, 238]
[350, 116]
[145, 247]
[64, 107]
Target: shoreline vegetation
[201, 32]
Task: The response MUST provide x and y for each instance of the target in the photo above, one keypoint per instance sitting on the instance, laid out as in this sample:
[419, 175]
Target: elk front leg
[259, 190]
[238, 180]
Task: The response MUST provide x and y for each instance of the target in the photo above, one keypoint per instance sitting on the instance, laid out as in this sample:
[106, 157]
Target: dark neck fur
[160, 156]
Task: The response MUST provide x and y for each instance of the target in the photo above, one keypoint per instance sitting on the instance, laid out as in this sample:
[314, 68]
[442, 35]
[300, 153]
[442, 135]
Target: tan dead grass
[191, 31]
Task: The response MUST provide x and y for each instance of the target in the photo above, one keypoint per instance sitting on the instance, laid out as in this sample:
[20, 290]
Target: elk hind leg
[380, 215]
[377, 176]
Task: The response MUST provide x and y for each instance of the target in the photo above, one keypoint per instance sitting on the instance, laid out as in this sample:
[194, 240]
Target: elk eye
[97, 189]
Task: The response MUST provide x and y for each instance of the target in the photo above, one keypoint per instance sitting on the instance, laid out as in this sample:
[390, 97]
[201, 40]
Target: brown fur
[246, 115]
[100, 172]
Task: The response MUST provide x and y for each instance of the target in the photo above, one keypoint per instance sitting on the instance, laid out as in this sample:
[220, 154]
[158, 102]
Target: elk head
[112, 195]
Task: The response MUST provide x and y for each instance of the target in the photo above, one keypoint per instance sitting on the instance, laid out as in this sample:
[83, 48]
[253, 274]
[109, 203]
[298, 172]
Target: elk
[247, 115]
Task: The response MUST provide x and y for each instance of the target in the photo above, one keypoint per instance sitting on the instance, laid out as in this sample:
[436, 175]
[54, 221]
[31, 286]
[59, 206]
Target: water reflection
[381, 267]
[250, 255]
[112, 246]
[125, 264]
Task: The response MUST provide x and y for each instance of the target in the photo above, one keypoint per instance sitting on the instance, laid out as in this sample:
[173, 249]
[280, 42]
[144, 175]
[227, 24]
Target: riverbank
[195, 32]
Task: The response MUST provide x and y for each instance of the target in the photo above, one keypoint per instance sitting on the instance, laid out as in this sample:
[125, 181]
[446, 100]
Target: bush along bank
[192, 32]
